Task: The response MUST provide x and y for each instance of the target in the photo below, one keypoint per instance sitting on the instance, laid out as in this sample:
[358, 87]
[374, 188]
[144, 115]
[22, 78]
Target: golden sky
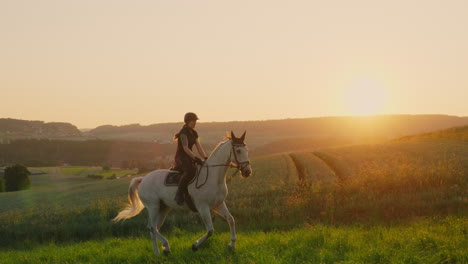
[121, 62]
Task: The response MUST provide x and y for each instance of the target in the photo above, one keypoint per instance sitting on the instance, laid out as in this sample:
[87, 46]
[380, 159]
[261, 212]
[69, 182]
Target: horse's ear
[232, 135]
[243, 136]
[228, 134]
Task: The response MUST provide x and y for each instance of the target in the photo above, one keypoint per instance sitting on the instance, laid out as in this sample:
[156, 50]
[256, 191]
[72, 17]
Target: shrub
[95, 176]
[2, 183]
[17, 178]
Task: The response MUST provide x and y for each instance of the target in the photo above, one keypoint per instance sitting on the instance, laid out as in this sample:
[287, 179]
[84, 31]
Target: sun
[364, 97]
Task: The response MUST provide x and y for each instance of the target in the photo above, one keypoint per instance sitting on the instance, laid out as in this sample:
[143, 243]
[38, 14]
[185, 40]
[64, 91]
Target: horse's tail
[134, 205]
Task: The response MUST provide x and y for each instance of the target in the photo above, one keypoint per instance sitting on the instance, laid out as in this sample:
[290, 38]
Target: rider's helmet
[189, 117]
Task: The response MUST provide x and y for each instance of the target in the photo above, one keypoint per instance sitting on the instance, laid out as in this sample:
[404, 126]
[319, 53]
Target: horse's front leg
[206, 217]
[223, 211]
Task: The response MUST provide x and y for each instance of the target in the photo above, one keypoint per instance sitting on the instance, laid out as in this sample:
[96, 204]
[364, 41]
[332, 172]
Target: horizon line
[252, 120]
[278, 119]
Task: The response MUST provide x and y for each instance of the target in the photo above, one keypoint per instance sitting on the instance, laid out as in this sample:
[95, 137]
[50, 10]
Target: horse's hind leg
[152, 231]
[154, 222]
[163, 212]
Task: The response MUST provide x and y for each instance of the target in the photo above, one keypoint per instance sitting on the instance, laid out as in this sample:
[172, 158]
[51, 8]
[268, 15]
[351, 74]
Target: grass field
[429, 241]
[63, 187]
[403, 201]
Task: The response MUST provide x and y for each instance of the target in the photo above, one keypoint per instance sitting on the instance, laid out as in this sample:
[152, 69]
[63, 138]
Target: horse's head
[240, 155]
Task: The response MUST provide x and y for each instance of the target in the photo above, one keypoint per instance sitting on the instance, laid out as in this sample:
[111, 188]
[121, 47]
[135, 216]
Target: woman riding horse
[151, 192]
[184, 158]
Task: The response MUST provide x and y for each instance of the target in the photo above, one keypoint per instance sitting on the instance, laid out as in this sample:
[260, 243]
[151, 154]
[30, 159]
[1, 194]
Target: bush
[2, 183]
[17, 178]
[95, 176]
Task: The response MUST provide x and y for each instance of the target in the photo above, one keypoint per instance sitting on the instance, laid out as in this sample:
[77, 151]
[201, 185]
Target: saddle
[173, 178]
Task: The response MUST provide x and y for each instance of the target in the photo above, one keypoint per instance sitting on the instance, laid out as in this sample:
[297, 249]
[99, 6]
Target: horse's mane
[227, 138]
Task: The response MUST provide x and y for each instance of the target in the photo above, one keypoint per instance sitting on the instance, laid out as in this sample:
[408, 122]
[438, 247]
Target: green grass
[84, 171]
[117, 172]
[63, 187]
[79, 171]
[437, 240]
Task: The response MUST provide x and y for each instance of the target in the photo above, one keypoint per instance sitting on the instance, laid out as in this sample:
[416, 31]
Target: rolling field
[403, 201]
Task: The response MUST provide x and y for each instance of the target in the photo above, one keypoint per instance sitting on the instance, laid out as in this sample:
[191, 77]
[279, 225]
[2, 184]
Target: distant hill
[36, 143]
[16, 128]
[262, 132]
[269, 134]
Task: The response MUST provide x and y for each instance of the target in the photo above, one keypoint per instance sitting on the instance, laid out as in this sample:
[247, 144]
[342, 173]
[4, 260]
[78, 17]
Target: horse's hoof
[194, 247]
[231, 248]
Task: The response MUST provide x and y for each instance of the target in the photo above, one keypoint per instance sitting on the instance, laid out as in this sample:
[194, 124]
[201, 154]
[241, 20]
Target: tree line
[94, 152]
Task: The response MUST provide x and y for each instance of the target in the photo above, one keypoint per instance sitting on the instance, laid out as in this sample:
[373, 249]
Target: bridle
[239, 165]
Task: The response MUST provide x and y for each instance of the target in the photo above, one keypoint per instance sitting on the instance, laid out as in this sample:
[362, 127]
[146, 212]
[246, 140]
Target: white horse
[207, 195]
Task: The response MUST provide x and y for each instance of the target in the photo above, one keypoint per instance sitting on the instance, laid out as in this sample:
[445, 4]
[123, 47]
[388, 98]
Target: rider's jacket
[192, 135]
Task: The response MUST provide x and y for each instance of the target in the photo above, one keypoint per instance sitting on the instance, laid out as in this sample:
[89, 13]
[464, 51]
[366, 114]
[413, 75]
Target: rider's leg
[189, 173]
[186, 179]
[180, 190]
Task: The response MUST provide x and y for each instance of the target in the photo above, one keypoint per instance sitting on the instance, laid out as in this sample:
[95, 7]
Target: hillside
[310, 143]
[16, 128]
[454, 133]
[261, 132]
[152, 145]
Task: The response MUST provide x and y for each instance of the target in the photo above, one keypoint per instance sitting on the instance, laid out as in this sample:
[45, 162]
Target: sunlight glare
[364, 97]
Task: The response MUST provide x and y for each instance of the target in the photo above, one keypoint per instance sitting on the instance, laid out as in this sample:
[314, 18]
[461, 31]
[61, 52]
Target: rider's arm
[184, 141]
[200, 149]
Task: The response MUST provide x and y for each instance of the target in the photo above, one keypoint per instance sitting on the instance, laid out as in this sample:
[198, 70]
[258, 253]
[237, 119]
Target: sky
[118, 62]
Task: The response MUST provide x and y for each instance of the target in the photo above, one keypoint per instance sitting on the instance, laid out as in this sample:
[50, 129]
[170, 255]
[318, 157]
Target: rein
[238, 165]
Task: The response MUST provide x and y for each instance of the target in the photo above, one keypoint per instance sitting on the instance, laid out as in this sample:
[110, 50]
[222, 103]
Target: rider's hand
[198, 160]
